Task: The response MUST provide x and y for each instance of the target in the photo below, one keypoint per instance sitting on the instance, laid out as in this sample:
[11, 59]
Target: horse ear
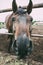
[29, 7]
[14, 6]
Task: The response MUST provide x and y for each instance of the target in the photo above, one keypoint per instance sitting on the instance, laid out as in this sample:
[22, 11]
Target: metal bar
[5, 10]
[32, 35]
[36, 35]
[34, 6]
[6, 33]
[38, 5]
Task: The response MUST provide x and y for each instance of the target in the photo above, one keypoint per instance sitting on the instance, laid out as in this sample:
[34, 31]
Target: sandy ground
[36, 56]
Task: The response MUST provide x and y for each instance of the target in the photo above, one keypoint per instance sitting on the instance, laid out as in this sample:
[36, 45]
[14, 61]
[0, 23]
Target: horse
[19, 23]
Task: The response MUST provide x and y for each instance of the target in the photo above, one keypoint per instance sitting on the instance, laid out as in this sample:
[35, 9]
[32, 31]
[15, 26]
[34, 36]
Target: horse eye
[31, 19]
[14, 31]
[13, 19]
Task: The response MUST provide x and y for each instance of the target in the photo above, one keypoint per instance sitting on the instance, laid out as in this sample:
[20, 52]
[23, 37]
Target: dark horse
[19, 23]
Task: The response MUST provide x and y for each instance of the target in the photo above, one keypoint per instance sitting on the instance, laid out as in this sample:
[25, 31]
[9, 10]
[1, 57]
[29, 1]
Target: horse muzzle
[22, 46]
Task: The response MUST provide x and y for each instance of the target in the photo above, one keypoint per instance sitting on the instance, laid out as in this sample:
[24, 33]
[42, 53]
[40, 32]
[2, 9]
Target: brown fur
[9, 24]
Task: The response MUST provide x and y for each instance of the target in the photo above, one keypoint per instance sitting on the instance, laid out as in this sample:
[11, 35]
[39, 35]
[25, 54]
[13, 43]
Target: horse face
[21, 26]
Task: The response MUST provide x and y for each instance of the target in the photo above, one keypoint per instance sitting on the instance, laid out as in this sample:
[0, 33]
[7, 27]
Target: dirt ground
[9, 59]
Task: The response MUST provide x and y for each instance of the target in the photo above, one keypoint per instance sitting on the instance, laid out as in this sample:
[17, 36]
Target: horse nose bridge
[22, 44]
[23, 39]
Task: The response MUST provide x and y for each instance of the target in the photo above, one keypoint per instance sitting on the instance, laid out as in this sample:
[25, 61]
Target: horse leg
[10, 44]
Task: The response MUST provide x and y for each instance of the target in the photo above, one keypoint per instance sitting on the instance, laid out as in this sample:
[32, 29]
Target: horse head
[19, 23]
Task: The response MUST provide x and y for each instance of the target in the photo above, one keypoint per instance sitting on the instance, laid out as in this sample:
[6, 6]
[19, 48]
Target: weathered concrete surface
[37, 29]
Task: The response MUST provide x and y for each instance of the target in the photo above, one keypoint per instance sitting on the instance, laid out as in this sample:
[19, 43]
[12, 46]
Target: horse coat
[20, 26]
[12, 25]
